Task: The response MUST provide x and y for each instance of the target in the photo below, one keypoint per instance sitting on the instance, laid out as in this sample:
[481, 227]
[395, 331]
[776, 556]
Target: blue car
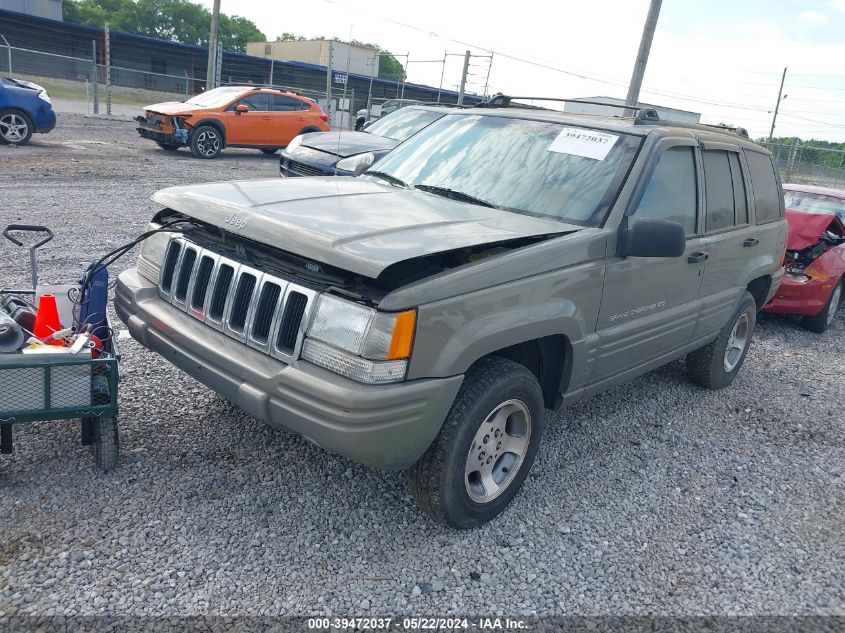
[349, 153]
[25, 109]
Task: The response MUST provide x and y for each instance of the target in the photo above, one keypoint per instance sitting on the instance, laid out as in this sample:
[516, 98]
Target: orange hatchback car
[232, 116]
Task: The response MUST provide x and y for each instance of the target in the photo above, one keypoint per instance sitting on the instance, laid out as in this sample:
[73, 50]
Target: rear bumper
[805, 298]
[386, 426]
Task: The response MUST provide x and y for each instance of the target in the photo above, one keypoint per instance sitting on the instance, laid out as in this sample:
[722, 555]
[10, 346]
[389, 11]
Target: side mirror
[241, 108]
[649, 237]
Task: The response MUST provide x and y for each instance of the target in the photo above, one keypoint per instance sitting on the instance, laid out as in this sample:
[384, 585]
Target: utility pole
[329, 82]
[777, 106]
[642, 56]
[376, 58]
[211, 73]
[463, 79]
[442, 72]
[107, 52]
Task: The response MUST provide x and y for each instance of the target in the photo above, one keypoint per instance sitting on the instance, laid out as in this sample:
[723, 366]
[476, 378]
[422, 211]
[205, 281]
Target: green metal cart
[44, 387]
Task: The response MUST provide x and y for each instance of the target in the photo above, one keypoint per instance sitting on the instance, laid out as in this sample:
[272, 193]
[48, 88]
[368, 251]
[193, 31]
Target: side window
[765, 186]
[671, 192]
[286, 104]
[258, 102]
[718, 191]
[740, 199]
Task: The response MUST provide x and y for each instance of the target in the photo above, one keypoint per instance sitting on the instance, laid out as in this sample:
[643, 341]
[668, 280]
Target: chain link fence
[78, 84]
[804, 164]
[86, 85]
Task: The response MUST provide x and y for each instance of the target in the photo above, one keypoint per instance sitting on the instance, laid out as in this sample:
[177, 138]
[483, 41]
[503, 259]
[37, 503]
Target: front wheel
[479, 460]
[15, 127]
[824, 319]
[170, 147]
[269, 150]
[716, 365]
[206, 142]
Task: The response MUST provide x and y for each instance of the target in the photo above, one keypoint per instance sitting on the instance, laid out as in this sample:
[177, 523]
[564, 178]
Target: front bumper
[805, 298]
[162, 134]
[45, 122]
[386, 426]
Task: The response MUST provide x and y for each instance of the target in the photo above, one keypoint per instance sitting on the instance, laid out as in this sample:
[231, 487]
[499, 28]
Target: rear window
[764, 183]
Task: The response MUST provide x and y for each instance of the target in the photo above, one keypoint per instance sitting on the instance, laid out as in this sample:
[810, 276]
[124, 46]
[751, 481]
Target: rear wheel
[206, 142]
[824, 319]
[15, 127]
[716, 365]
[479, 460]
[269, 150]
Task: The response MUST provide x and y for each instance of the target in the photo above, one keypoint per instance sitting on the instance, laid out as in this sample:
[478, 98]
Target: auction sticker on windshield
[581, 142]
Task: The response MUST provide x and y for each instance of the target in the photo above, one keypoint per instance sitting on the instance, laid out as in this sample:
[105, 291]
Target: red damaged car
[815, 256]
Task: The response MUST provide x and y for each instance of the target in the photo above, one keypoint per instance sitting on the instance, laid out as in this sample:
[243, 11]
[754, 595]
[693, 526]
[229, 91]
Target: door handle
[751, 241]
[697, 258]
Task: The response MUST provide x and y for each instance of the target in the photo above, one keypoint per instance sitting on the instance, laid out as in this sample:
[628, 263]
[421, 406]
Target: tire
[269, 150]
[15, 127]
[716, 364]
[824, 319]
[507, 397]
[170, 147]
[206, 142]
[106, 447]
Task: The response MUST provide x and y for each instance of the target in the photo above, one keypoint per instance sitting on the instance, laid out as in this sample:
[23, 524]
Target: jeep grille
[266, 312]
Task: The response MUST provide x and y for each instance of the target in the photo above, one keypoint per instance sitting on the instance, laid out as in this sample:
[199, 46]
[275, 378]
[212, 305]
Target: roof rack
[650, 117]
[504, 101]
[645, 115]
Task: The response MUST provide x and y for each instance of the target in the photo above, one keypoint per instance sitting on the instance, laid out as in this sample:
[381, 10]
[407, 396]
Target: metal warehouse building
[153, 64]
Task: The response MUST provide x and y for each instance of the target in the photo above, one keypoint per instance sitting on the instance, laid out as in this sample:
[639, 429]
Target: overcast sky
[722, 58]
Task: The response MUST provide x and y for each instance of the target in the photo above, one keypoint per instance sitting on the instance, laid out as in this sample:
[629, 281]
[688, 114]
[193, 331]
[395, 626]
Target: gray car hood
[356, 224]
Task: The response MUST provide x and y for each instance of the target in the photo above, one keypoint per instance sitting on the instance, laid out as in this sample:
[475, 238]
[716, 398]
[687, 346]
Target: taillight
[324, 117]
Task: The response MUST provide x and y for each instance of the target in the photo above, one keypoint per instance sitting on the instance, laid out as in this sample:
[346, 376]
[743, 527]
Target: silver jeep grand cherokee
[422, 316]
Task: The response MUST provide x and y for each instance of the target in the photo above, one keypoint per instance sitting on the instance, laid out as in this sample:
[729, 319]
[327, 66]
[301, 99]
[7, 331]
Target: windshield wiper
[388, 177]
[456, 195]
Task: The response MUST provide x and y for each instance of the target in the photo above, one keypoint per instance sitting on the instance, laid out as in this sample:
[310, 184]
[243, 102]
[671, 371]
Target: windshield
[814, 203]
[532, 167]
[403, 124]
[216, 97]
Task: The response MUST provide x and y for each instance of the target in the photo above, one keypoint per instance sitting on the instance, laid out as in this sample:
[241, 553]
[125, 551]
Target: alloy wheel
[208, 143]
[13, 127]
[497, 451]
[737, 342]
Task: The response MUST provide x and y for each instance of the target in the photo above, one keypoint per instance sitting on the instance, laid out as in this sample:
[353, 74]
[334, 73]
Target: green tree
[178, 20]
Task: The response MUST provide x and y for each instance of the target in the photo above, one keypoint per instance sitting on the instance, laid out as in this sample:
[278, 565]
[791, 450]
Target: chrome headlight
[357, 162]
[296, 142]
[152, 253]
[360, 343]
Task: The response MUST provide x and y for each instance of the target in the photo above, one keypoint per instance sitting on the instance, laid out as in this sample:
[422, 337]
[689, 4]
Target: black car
[348, 153]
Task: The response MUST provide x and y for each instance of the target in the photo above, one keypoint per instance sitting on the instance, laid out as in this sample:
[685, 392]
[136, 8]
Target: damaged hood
[355, 224]
[805, 229]
[345, 144]
[172, 107]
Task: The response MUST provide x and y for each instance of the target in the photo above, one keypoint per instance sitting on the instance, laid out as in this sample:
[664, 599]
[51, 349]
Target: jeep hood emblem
[238, 223]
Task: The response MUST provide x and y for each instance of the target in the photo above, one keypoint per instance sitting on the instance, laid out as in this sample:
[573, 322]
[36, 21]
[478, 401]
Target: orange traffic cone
[47, 320]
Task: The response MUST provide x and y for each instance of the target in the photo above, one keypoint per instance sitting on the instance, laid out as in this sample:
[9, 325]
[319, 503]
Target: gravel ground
[655, 498]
